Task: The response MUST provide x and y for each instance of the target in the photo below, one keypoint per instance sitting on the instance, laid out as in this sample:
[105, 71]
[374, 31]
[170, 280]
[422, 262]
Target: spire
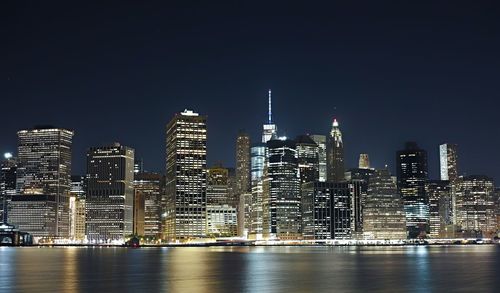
[335, 123]
[269, 111]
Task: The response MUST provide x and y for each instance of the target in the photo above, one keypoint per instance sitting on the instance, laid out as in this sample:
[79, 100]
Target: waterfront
[250, 269]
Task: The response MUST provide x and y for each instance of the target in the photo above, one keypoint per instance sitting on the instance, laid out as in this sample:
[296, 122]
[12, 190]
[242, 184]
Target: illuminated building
[308, 159]
[257, 167]
[358, 179]
[8, 170]
[412, 176]
[147, 190]
[138, 166]
[440, 209]
[320, 140]
[36, 213]
[77, 208]
[269, 130]
[448, 162]
[383, 212]
[364, 161]
[44, 168]
[217, 186]
[110, 193]
[221, 221]
[335, 154]
[326, 211]
[242, 190]
[475, 206]
[186, 177]
[281, 204]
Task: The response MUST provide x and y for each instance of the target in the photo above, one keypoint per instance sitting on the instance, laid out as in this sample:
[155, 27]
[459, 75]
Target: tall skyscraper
[440, 209]
[412, 176]
[217, 186]
[383, 212]
[308, 158]
[269, 130]
[448, 162]
[186, 177]
[475, 206]
[364, 161]
[44, 168]
[320, 140]
[358, 180]
[257, 165]
[147, 187]
[242, 194]
[110, 193]
[335, 154]
[326, 210]
[77, 208]
[8, 170]
[281, 204]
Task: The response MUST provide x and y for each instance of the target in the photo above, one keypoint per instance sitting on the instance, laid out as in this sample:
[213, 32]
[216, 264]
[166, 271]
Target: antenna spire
[269, 111]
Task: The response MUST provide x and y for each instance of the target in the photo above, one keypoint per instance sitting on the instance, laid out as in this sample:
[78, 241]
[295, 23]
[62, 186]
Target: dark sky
[390, 72]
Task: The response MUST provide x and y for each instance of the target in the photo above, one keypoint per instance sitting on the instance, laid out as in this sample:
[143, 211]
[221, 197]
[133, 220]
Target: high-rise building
[448, 162]
[320, 140]
[335, 154]
[258, 163]
[269, 130]
[440, 209]
[358, 180]
[326, 210]
[77, 208]
[243, 179]
[8, 170]
[383, 212]
[44, 168]
[364, 161]
[281, 204]
[221, 221]
[147, 188]
[412, 176]
[308, 158]
[475, 206]
[217, 186]
[110, 193]
[138, 166]
[186, 177]
[138, 214]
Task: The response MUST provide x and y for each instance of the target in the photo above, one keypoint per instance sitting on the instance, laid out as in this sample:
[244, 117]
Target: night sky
[392, 72]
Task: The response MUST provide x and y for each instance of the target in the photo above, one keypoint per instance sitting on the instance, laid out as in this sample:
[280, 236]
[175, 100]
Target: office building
[217, 186]
[308, 158]
[475, 206]
[110, 193]
[8, 171]
[358, 178]
[335, 154]
[257, 166]
[320, 140]
[364, 161]
[448, 162]
[383, 212]
[412, 176]
[36, 213]
[44, 168]
[326, 211]
[148, 191]
[77, 208]
[269, 130]
[186, 177]
[222, 221]
[281, 204]
[440, 209]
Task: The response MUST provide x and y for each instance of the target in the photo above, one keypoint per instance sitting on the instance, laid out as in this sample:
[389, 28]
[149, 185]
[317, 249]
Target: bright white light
[7, 156]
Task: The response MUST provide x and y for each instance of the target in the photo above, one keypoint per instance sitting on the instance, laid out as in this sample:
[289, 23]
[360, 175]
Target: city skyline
[426, 80]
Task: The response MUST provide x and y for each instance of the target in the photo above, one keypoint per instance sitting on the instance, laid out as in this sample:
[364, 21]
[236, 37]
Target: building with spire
[335, 154]
[269, 130]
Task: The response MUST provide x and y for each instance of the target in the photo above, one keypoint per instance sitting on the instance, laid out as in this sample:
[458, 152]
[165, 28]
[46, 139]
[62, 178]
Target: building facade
[147, 186]
[110, 193]
[448, 162]
[383, 213]
[412, 174]
[308, 159]
[335, 154]
[440, 209]
[8, 173]
[320, 140]
[186, 177]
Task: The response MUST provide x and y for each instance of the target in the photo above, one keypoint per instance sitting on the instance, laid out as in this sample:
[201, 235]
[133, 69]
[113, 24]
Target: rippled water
[251, 269]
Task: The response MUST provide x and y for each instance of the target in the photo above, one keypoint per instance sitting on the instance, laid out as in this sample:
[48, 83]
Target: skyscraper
[44, 168]
[320, 140]
[242, 194]
[364, 161]
[77, 207]
[148, 186]
[308, 158]
[281, 204]
[383, 212]
[448, 162]
[475, 206]
[186, 177]
[335, 154]
[440, 209]
[412, 176]
[269, 130]
[258, 162]
[110, 193]
[8, 170]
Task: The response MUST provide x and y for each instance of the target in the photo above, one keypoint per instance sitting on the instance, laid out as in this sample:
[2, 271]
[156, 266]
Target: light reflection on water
[250, 269]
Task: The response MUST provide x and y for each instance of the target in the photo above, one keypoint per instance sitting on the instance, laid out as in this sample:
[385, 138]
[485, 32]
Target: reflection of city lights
[7, 155]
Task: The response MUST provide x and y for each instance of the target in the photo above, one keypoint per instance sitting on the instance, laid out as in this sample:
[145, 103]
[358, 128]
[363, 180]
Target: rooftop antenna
[269, 111]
